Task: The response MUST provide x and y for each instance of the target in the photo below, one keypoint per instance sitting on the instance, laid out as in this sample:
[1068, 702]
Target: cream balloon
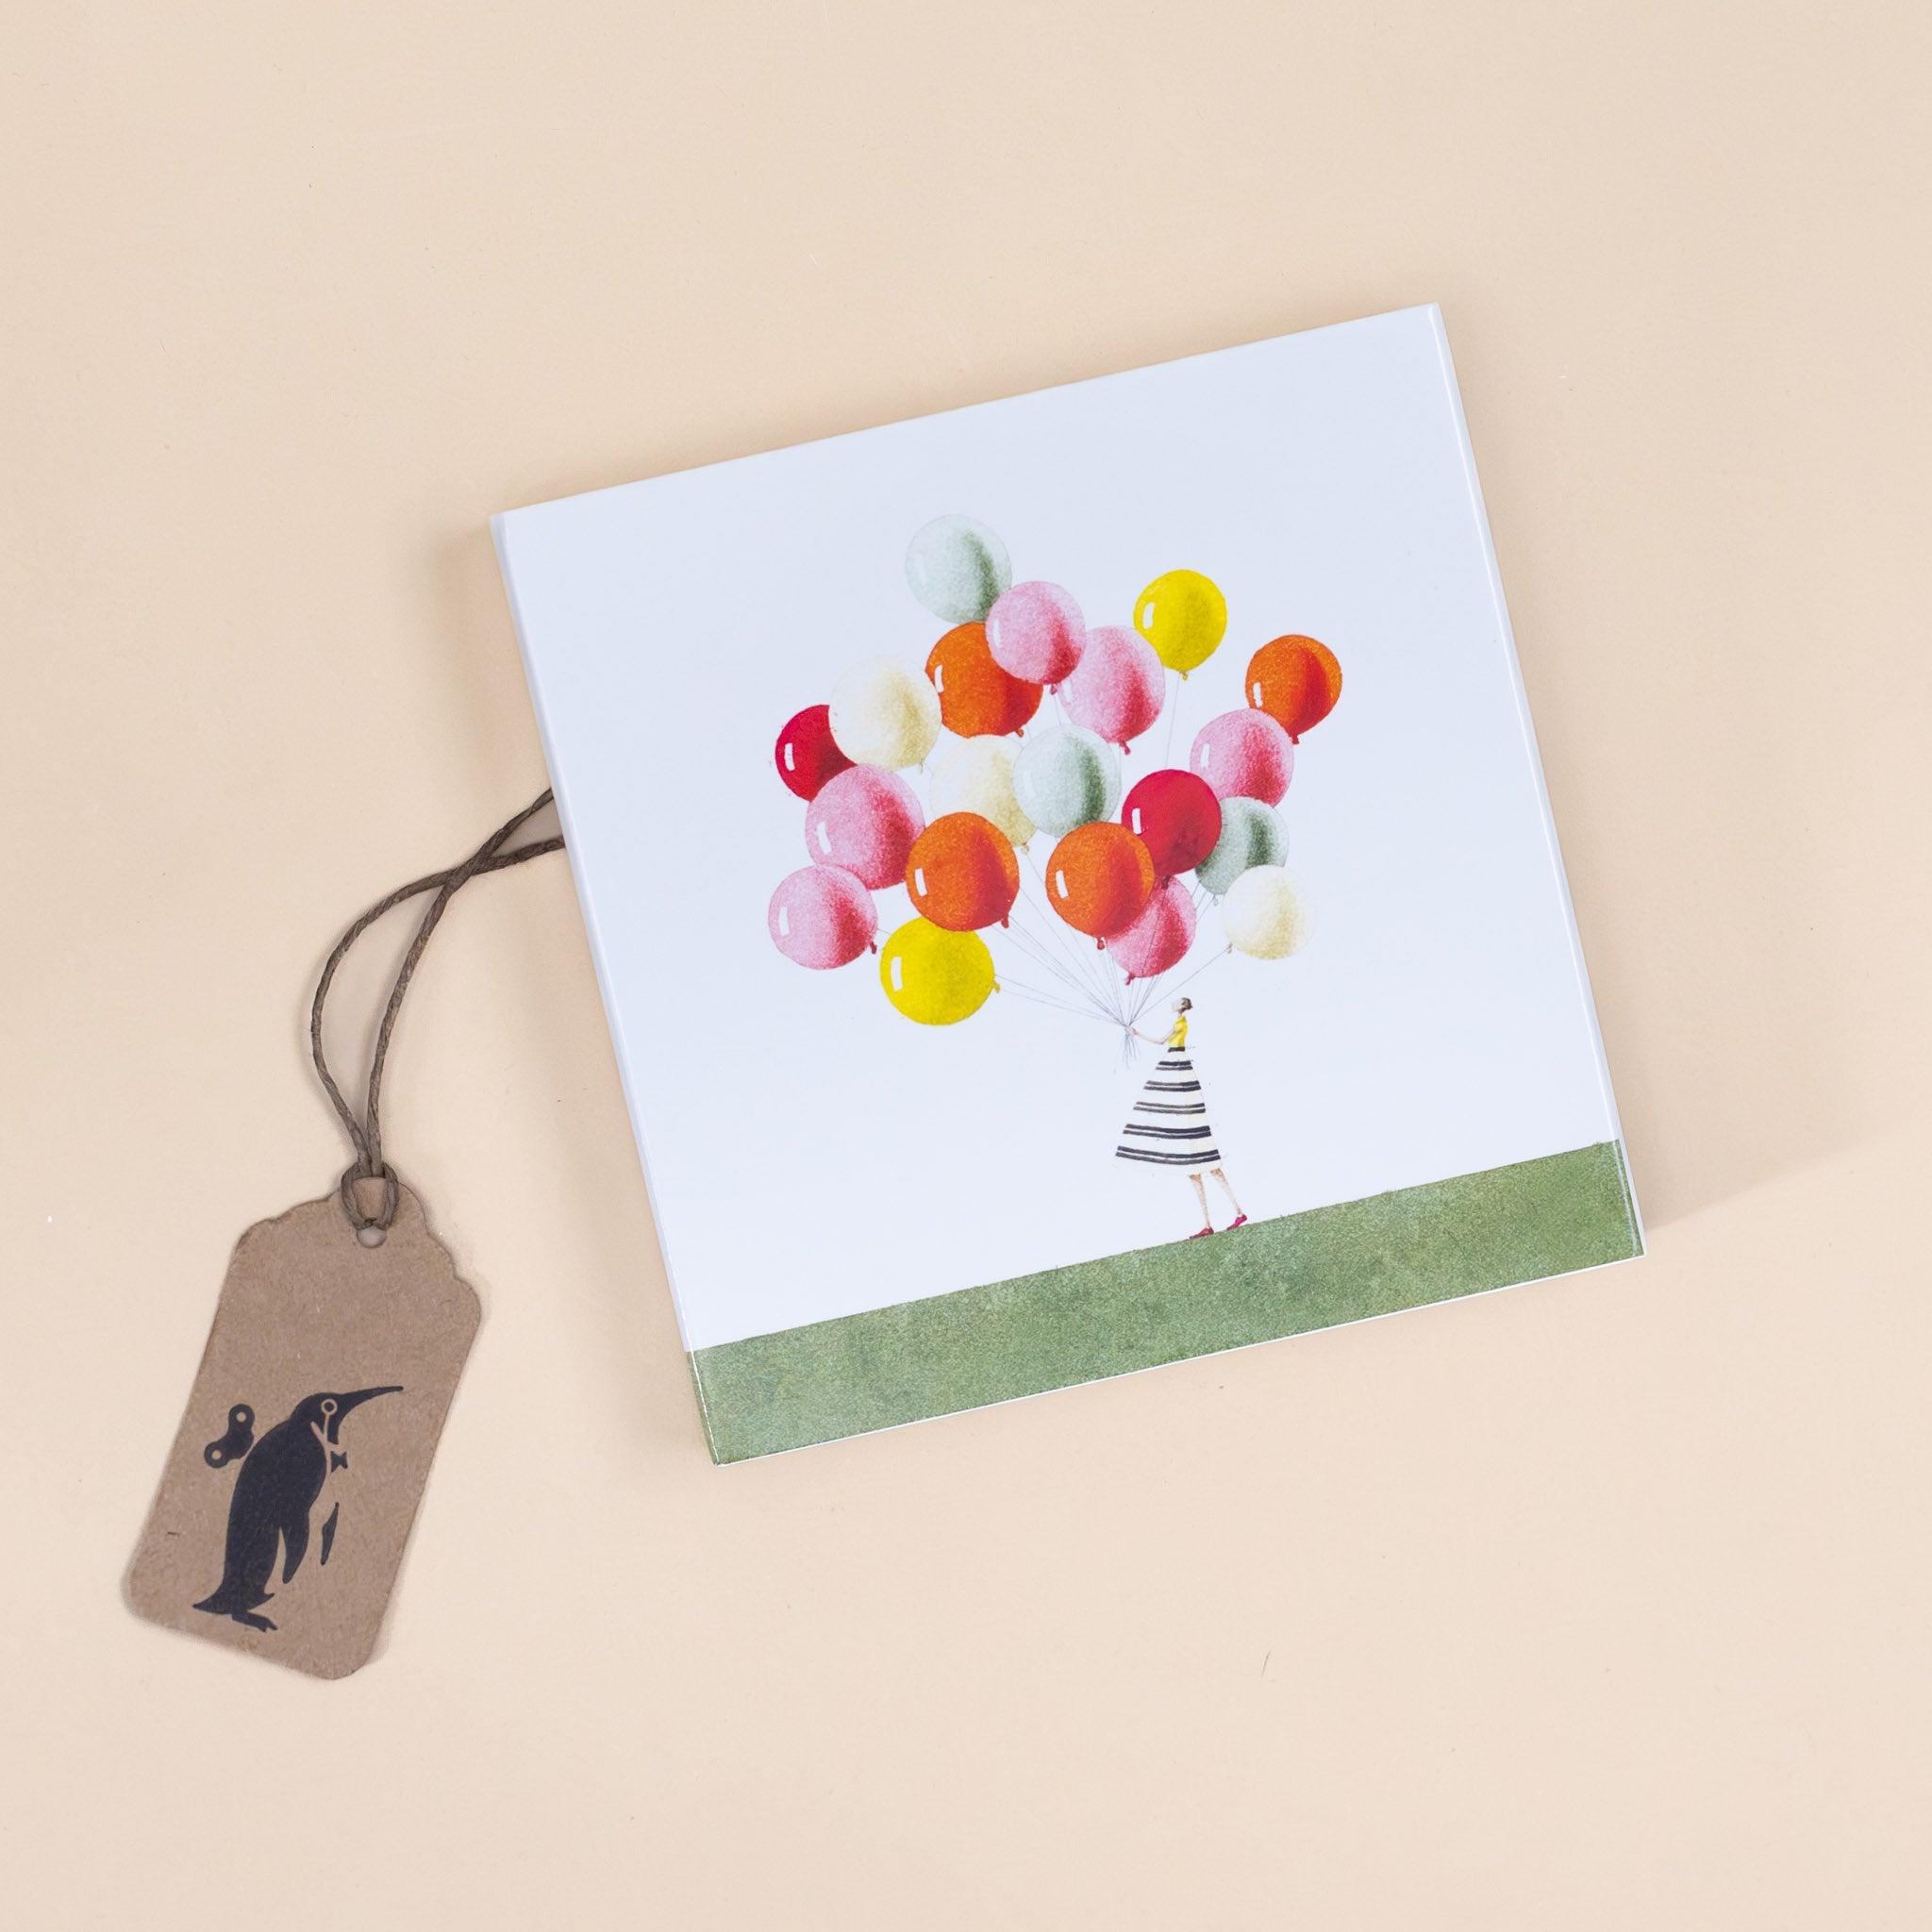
[1261, 915]
[884, 713]
[976, 775]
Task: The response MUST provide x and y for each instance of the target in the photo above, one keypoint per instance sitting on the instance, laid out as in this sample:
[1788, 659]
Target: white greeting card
[1072, 882]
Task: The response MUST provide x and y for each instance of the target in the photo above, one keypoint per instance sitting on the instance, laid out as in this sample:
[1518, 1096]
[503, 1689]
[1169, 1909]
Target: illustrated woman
[1168, 1125]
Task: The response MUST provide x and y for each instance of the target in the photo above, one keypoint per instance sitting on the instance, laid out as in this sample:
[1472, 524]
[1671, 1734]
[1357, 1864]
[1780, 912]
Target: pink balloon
[1160, 937]
[864, 820]
[823, 917]
[1118, 687]
[1244, 755]
[1036, 631]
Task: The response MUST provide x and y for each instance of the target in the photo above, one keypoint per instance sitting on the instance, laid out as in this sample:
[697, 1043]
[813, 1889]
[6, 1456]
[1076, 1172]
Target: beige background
[1596, 1604]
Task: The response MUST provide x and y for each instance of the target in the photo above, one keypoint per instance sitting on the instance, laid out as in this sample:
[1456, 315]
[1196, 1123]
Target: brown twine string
[366, 1135]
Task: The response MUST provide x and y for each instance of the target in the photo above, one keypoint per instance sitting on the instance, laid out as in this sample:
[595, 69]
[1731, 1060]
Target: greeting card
[1072, 883]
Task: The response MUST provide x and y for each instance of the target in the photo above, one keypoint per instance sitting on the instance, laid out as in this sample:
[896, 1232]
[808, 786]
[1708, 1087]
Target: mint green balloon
[1066, 775]
[1251, 835]
[958, 569]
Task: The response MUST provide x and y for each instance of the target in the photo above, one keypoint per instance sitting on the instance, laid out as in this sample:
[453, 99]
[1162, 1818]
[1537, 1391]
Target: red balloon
[1099, 878]
[807, 756]
[962, 874]
[1178, 816]
[977, 699]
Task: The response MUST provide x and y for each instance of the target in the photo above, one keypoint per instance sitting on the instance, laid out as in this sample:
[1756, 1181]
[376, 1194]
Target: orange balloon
[977, 698]
[962, 874]
[1100, 878]
[1296, 681]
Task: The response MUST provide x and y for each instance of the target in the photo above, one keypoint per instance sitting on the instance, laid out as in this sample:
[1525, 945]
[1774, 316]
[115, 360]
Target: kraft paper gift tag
[340, 1331]
[298, 1467]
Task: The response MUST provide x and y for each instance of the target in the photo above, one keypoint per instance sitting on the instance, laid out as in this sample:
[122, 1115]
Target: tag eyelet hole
[377, 1223]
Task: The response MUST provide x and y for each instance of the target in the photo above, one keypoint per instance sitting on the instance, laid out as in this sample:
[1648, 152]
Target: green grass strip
[1256, 1283]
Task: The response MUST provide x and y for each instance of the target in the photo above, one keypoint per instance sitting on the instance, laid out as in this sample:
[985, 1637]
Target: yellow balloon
[976, 775]
[1184, 616]
[934, 976]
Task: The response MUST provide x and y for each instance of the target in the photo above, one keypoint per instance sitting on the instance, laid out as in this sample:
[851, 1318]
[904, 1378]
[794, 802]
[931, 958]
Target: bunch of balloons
[1132, 873]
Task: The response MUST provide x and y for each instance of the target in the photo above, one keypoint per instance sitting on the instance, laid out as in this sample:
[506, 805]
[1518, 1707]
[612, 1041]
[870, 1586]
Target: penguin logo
[282, 1478]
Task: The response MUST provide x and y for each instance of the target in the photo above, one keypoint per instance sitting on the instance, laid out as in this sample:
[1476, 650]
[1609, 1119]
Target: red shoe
[1239, 1220]
[1199, 1232]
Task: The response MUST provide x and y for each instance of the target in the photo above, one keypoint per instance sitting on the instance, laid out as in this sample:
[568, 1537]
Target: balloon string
[1028, 993]
[1021, 920]
[1022, 931]
[1076, 975]
[1022, 989]
[1032, 950]
[1084, 958]
[1073, 993]
[1156, 988]
[1025, 943]
[1089, 968]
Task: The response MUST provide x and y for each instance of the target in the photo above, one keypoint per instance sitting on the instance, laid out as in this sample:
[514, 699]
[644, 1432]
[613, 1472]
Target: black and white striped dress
[1168, 1126]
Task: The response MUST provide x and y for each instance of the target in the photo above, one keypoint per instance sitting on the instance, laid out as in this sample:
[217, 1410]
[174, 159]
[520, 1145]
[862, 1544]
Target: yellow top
[1178, 1038]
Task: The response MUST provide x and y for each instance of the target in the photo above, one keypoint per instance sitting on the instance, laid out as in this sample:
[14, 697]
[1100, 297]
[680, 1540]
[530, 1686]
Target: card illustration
[1007, 839]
